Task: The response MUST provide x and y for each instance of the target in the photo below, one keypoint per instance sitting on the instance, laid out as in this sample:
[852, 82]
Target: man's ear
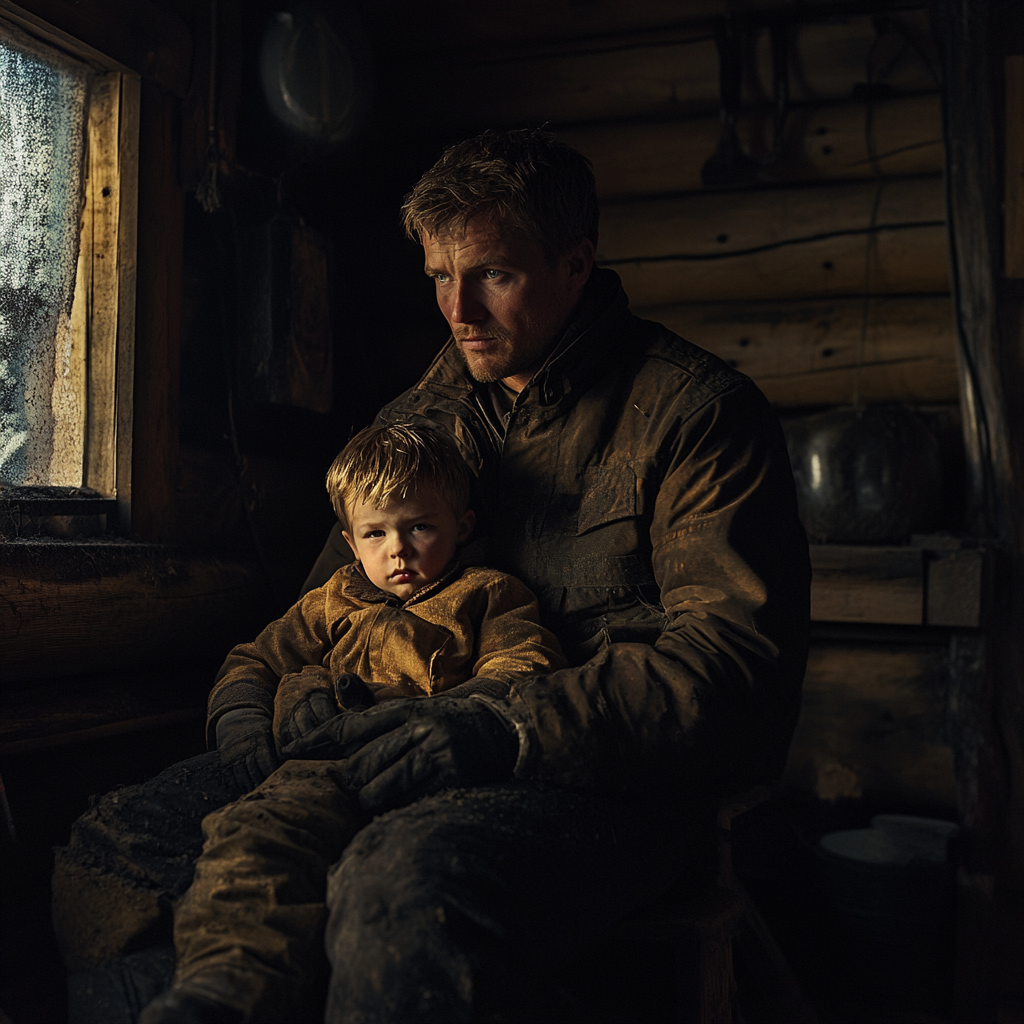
[348, 539]
[466, 524]
[579, 261]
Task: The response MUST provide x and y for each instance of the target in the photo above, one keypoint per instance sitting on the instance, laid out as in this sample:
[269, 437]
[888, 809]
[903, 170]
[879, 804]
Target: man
[642, 489]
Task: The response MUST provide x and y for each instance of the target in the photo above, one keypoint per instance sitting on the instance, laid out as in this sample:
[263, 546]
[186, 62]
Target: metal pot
[865, 476]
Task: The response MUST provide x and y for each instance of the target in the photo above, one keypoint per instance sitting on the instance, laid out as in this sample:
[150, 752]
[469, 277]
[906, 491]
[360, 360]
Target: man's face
[504, 300]
[406, 545]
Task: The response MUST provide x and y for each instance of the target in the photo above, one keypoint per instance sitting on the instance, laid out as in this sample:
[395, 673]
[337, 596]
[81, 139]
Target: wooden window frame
[103, 310]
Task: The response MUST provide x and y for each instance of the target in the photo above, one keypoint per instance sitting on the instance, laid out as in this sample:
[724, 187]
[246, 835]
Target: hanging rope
[207, 191]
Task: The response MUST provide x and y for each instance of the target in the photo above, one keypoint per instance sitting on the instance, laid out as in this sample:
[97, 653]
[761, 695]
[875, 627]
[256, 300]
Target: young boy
[409, 618]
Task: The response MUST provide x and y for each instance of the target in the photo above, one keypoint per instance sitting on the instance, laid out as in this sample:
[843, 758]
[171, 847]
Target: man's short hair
[382, 463]
[526, 180]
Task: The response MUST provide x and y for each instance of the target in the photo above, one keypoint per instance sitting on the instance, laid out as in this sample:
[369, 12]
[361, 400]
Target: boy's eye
[375, 533]
[420, 527]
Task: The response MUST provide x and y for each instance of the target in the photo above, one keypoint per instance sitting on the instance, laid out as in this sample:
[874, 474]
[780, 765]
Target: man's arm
[713, 702]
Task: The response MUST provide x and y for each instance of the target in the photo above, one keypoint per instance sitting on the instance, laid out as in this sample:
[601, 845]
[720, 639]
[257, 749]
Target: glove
[353, 693]
[314, 710]
[246, 744]
[404, 750]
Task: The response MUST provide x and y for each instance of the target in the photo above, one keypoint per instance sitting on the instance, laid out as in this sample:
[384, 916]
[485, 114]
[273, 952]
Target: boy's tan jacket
[473, 622]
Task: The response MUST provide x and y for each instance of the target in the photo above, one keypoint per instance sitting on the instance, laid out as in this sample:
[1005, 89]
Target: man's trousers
[446, 910]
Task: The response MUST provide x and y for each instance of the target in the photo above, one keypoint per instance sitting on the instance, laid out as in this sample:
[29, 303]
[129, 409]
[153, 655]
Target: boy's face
[408, 543]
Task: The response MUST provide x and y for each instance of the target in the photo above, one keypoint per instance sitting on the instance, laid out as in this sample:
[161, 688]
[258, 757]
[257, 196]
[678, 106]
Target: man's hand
[407, 749]
[246, 743]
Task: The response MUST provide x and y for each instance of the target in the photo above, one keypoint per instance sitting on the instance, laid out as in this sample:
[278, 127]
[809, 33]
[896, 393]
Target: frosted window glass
[42, 119]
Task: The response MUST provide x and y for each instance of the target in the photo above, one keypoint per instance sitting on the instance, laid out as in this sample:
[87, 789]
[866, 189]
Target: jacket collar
[581, 354]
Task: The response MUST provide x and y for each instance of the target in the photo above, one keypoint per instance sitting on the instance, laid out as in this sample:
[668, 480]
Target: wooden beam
[806, 353]
[885, 237]
[973, 36]
[844, 141]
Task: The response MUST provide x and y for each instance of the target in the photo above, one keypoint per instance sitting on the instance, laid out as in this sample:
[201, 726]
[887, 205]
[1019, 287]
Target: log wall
[834, 258]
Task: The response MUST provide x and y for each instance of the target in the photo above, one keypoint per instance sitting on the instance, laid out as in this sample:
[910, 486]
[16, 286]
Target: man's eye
[492, 275]
[441, 278]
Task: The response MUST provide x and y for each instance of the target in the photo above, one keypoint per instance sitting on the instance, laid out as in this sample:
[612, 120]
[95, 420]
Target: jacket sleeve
[251, 673]
[711, 705]
[511, 642]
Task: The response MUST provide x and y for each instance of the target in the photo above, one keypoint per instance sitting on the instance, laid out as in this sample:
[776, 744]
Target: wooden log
[551, 25]
[119, 608]
[872, 725]
[659, 74]
[640, 158]
[782, 244]
[807, 353]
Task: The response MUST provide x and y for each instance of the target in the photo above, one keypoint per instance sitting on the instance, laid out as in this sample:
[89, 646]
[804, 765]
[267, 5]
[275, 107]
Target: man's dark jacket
[642, 490]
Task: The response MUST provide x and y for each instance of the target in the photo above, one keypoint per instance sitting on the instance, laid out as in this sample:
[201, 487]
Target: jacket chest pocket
[608, 545]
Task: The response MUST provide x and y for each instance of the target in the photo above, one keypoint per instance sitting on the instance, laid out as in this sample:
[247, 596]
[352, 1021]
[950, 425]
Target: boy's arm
[251, 673]
[511, 642]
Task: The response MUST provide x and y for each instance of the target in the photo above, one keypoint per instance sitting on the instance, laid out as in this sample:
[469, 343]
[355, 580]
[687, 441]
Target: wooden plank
[103, 204]
[776, 339]
[909, 380]
[127, 294]
[1013, 233]
[788, 243]
[806, 353]
[872, 725]
[867, 584]
[656, 75]
[639, 158]
[717, 224]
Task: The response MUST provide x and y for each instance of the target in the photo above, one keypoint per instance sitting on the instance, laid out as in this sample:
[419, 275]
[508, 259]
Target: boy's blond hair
[382, 463]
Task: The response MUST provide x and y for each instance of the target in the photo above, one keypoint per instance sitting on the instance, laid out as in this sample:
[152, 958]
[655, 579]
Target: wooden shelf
[937, 582]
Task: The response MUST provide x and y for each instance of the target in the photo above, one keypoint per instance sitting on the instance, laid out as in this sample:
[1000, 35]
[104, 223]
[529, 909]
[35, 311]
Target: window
[68, 176]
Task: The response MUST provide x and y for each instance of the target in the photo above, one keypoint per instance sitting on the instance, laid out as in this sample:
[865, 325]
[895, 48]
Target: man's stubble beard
[506, 362]
[492, 366]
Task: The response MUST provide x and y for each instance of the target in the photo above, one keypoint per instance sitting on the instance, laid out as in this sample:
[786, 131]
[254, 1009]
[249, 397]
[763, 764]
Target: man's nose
[465, 305]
